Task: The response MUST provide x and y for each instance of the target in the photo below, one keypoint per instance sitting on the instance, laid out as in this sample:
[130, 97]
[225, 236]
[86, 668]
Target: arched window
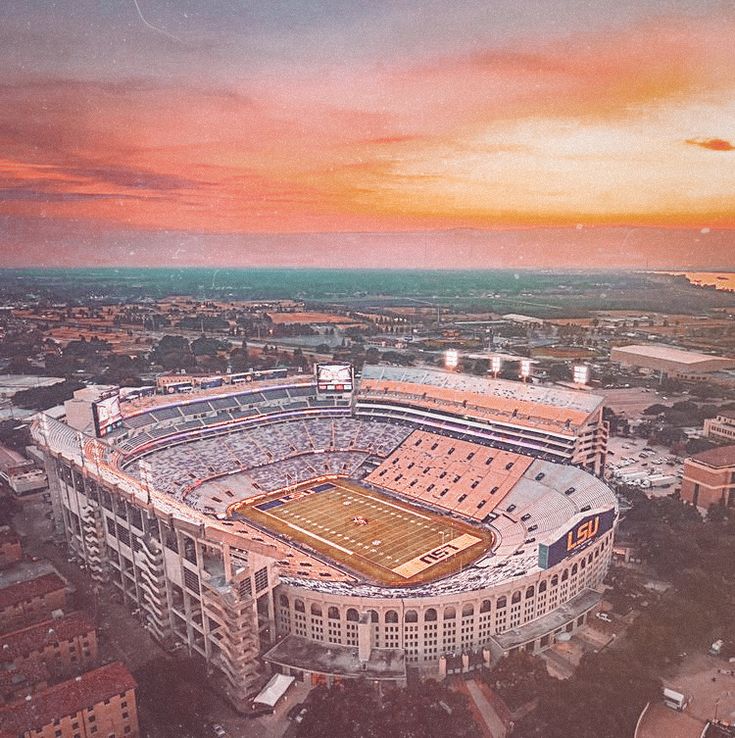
[391, 616]
[565, 575]
[575, 569]
[468, 611]
[555, 580]
[316, 610]
[450, 613]
[485, 606]
[333, 613]
[529, 592]
[516, 598]
[352, 615]
[502, 602]
[373, 616]
[542, 587]
[411, 616]
[430, 615]
[299, 606]
[283, 600]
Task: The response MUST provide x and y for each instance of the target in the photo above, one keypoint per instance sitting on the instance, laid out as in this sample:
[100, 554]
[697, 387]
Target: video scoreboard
[334, 379]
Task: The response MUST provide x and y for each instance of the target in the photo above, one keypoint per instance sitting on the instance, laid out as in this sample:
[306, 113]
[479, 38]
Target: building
[65, 646]
[29, 599]
[21, 475]
[673, 362]
[10, 548]
[174, 510]
[709, 478]
[98, 704]
[721, 428]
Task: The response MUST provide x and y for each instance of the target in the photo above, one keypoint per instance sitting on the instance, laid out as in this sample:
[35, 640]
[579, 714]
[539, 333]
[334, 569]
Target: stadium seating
[274, 454]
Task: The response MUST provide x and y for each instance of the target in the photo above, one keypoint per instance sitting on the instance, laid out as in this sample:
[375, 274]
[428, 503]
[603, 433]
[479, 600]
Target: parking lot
[636, 462]
[711, 693]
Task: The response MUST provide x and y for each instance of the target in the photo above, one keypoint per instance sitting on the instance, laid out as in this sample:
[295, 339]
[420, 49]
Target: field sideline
[374, 535]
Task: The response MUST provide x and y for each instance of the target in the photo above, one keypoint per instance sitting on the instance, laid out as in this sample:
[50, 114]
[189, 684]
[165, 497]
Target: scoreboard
[106, 415]
[334, 379]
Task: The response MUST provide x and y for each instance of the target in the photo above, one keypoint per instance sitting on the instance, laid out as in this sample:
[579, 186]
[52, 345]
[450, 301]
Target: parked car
[219, 731]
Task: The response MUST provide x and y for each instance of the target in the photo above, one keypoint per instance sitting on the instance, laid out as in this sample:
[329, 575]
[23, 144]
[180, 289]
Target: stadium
[329, 527]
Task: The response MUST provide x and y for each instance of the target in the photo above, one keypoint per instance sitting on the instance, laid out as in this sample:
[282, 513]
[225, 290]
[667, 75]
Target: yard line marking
[319, 538]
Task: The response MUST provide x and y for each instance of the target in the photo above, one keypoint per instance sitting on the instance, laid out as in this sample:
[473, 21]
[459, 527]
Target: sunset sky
[384, 133]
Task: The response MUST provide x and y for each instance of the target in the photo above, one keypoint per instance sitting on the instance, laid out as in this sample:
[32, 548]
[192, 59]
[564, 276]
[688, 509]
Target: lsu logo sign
[576, 538]
[438, 554]
[582, 533]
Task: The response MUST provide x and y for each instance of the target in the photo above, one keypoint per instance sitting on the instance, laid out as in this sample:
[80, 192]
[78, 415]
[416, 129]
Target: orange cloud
[394, 146]
[714, 144]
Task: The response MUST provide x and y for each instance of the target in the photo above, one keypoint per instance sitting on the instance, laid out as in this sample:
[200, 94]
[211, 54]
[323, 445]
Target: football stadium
[329, 526]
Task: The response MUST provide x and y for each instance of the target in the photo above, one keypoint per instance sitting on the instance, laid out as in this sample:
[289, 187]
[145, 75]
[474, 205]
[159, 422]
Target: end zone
[445, 551]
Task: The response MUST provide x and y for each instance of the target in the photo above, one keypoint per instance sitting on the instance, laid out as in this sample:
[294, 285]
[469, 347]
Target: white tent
[274, 690]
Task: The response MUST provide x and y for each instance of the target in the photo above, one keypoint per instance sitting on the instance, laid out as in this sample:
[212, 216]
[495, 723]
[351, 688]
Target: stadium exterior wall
[450, 623]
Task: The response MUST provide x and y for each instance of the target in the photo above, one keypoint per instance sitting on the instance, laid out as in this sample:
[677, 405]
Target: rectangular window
[261, 579]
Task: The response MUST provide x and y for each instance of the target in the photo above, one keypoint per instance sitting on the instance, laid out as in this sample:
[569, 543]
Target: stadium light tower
[525, 369]
[581, 374]
[451, 358]
[496, 364]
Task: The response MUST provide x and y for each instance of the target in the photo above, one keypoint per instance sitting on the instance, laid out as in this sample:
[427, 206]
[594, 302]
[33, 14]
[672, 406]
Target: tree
[518, 678]
[204, 346]
[42, 398]
[353, 709]
[173, 352]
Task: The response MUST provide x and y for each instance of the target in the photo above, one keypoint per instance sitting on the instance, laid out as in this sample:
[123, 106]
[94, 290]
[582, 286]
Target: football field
[372, 534]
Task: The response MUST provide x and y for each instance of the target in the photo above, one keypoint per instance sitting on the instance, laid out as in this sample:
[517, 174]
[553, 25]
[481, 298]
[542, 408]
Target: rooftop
[23, 571]
[718, 458]
[28, 589]
[67, 698]
[10, 458]
[34, 637]
[323, 658]
[669, 353]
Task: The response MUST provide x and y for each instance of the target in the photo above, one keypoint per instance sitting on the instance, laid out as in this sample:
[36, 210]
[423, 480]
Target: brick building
[709, 478]
[10, 548]
[65, 646]
[31, 600]
[97, 704]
